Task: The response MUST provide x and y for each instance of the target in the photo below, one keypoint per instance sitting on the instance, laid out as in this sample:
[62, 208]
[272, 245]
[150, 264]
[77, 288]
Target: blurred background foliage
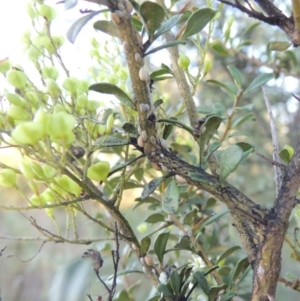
[33, 270]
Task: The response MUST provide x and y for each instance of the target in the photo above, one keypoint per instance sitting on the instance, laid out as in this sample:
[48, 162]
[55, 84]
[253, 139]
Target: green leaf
[202, 177]
[239, 269]
[151, 186]
[159, 72]
[259, 81]
[225, 87]
[229, 161]
[167, 131]
[219, 48]
[130, 128]
[207, 130]
[155, 218]
[242, 119]
[165, 291]
[121, 166]
[211, 149]
[215, 290]
[107, 27]
[202, 282]
[212, 219]
[184, 243]
[160, 246]
[78, 25]
[120, 273]
[235, 73]
[170, 202]
[108, 88]
[178, 124]
[286, 154]
[224, 270]
[107, 141]
[153, 15]
[249, 29]
[175, 281]
[167, 25]
[189, 217]
[279, 45]
[247, 149]
[145, 244]
[157, 103]
[228, 296]
[197, 21]
[227, 253]
[167, 45]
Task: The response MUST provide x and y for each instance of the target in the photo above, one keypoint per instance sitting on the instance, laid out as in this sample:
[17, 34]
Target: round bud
[114, 17]
[148, 260]
[156, 166]
[184, 62]
[144, 74]
[140, 141]
[180, 180]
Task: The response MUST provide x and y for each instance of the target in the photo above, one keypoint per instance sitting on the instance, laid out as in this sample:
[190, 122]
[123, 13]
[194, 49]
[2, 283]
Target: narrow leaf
[224, 87]
[235, 73]
[202, 178]
[259, 81]
[227, 253]
[211, 149]
[215, 290]
[108, 88]
[224, 270]
[170, 202]
[120, 273]
[207, 130]
[219, 48]
[160, 246]
[178, 124]
[78, 25]
[228, 296]
[167, 45]
[229, 161]
[121, 166]
[242, 119]
[197, 21]
[155, 218]
[239, 269]
[167, 25]
[151, 186]
[212, 219]
[107, 27]
[107, 141]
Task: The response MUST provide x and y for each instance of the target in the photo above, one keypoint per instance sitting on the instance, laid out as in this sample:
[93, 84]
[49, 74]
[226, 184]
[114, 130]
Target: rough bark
[262, 231]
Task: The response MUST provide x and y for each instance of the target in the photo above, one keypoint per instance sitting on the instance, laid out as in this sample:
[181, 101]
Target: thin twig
[275, 163]
[89, 296]
[27, 260]
[2, 251]
[107, 288]
[116, 259]
[274, 132]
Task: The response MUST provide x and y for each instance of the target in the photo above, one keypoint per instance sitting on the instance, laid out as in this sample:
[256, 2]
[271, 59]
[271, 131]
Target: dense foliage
[172, 109]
